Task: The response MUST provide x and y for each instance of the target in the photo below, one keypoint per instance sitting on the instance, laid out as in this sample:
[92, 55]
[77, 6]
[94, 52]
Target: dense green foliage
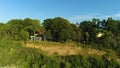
[60, 30]
[86, 32]
[16, 55]
[19, 29]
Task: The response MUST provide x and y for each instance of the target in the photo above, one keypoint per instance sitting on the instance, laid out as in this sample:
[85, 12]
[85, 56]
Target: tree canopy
[20, 29]
[61, 29]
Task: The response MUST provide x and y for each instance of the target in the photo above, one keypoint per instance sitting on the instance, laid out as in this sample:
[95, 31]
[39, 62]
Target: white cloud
[117, 15]
[90, 16]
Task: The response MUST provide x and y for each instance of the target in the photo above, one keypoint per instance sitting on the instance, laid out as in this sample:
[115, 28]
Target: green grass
[15, 54]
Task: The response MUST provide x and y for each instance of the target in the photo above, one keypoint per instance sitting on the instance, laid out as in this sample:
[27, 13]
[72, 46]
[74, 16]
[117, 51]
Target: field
[53, 55]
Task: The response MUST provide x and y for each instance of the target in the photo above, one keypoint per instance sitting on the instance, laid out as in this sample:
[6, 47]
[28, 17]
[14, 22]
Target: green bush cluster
[18, 29]
[13, 54]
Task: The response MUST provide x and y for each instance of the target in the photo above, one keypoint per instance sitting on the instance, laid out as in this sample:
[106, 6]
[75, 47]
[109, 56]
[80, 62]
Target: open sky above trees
[73, 10]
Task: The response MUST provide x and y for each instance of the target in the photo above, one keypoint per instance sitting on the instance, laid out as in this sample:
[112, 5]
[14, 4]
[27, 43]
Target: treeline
[95, 33]
[18, 29]
[105, 33]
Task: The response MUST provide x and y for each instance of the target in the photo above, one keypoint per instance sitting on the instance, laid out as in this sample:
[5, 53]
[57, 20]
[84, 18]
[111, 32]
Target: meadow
[39, 54]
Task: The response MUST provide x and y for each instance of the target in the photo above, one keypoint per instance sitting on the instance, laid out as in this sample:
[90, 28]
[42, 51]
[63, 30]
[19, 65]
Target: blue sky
[73, 10]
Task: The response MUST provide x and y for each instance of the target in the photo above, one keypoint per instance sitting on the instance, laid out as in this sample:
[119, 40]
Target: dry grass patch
[65, 49]
[97, 52]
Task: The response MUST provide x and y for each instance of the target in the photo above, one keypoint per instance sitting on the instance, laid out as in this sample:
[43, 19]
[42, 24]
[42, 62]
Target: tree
[48, 35]
[19, 29]
[1, 25]
[15, 30]
[112, 26]
[94, 20]
[89, 31]
[47, 24]
[60, 28]
[62, 25]
[31, 25]
[76, 32]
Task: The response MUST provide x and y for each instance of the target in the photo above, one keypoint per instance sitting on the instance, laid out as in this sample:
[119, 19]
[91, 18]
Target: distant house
[32, 38]
[37, 36]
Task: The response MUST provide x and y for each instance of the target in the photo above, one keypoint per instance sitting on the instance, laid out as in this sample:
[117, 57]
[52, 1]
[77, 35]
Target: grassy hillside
[16, 54]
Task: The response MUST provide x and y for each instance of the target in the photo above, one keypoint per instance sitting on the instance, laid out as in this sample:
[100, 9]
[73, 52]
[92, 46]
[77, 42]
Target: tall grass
[14, 55]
